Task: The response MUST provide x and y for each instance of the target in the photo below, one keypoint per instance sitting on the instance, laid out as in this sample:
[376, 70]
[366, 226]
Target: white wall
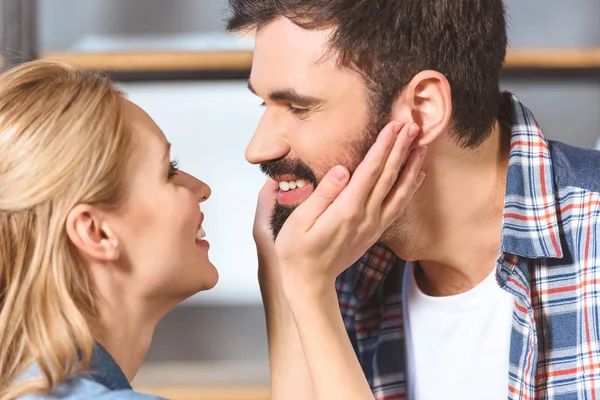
[210, 124]
[64, 22]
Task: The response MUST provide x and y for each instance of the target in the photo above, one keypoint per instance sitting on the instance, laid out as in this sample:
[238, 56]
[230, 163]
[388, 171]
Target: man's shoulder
[577, 192]
[575, 167]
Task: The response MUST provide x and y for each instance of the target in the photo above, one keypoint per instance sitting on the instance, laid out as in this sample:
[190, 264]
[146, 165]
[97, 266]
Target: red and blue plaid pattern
[549, 260]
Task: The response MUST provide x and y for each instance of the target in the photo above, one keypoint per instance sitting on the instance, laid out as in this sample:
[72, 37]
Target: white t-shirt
[457, 346]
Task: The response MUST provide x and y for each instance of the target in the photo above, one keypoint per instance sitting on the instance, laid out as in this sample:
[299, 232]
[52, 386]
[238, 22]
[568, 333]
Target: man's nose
[268, 143]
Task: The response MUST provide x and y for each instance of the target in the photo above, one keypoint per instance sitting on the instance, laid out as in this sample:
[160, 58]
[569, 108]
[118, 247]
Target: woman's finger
[267, 198]
[392, 168]
[371, 167]
[410, 180]
[307, 213]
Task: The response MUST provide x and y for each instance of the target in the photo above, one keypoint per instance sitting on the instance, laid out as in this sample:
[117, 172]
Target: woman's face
[159, 225]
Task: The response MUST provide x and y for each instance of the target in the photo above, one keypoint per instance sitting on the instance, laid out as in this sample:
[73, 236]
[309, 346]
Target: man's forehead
[282, 35]
[287, 55]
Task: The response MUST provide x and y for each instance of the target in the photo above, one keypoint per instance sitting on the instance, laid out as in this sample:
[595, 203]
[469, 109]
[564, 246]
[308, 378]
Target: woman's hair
[63, 141]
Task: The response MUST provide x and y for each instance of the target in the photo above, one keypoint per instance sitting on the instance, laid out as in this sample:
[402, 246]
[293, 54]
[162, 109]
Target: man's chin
[390, 236]
[279, 215]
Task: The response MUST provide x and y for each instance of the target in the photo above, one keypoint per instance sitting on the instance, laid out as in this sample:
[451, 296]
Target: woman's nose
[200, 189]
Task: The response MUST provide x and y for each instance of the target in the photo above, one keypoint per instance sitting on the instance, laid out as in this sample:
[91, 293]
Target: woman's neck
[125, 331]
[126, 340]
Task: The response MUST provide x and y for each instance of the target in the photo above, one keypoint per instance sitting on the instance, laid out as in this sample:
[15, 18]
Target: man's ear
[427, 101]
[90, 233]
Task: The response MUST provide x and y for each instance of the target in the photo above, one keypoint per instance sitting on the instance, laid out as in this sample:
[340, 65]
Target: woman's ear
[427, 101]
[91, 235]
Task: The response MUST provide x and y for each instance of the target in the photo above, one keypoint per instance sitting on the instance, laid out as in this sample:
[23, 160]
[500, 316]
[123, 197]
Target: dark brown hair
[390, 41]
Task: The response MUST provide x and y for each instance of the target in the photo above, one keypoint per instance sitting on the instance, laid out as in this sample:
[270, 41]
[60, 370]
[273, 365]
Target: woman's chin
[214, 278]
[209, 277]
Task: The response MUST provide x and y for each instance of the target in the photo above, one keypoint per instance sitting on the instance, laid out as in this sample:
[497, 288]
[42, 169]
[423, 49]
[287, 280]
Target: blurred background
[175, 60]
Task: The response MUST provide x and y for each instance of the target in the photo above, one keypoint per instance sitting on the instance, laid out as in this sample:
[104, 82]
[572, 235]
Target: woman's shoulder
[86, 388]
[106, 382]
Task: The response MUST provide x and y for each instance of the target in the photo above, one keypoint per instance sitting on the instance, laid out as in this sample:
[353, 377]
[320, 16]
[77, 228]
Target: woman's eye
[173, 169]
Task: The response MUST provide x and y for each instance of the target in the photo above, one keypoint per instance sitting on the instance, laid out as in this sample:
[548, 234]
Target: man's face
[317, 113]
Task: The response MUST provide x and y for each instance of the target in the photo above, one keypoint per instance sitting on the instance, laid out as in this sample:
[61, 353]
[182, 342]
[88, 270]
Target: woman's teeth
[200, 234]
[291, 185]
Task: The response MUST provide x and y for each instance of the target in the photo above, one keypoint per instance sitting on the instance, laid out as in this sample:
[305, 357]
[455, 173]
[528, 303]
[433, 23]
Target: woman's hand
[325, 235]
[344, 217]
[290, 379]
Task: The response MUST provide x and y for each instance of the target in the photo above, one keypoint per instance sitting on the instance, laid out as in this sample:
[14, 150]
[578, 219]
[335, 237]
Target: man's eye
[300, 112]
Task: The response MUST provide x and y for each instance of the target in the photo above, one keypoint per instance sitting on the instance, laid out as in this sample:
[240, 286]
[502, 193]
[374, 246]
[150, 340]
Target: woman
[101, 235]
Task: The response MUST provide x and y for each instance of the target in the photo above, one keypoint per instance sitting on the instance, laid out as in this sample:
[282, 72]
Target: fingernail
[413, 131]
[421, 177]
[422, 151]
[339, 174]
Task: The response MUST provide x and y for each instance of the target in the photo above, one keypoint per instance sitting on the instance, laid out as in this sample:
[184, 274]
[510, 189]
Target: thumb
[326, 192]
[266, 200]
[268, 193]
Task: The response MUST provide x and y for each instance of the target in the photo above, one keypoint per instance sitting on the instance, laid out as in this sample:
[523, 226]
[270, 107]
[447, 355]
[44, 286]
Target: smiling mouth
[286, 186]
[200, 234]
[292, 190]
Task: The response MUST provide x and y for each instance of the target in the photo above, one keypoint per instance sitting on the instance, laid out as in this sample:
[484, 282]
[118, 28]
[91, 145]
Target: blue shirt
[105, 381]
[549, 261]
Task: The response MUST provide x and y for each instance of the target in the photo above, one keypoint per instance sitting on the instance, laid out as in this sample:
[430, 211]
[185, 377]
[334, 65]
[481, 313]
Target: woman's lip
[201, 220]
[203, 243]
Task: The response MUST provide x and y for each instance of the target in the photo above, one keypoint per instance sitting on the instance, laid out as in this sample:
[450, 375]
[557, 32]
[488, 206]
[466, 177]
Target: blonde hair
[63, 142]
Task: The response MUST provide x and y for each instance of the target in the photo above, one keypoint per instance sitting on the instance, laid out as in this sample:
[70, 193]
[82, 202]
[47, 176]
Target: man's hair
[390, 41]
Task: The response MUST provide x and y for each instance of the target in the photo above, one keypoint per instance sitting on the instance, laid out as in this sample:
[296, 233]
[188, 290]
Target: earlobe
[426, 101]
[91, 235]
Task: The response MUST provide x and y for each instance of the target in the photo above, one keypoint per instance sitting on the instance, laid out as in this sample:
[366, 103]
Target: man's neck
[458, 216]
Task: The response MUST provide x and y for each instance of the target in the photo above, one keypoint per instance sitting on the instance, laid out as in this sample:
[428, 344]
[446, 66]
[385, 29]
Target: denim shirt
[105, 381]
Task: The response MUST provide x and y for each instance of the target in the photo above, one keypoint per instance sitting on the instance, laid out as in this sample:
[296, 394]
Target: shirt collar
[530, 225]
[106, 371]
[370, 271]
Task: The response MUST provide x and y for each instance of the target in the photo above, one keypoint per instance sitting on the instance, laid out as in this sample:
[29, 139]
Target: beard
[359, 148]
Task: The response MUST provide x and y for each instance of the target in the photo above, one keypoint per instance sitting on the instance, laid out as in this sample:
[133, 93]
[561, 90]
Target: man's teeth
[291, 185]
[200, 234]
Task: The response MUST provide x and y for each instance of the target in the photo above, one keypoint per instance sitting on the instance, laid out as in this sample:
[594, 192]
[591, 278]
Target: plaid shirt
[549, 261]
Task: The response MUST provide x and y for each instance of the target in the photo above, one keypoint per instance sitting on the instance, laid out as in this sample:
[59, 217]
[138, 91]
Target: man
[486, 286]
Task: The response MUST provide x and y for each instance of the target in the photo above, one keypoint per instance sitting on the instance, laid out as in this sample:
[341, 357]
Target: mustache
[287, 166]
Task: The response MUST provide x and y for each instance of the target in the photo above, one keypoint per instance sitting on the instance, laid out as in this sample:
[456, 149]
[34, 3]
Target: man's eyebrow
[291, 96]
